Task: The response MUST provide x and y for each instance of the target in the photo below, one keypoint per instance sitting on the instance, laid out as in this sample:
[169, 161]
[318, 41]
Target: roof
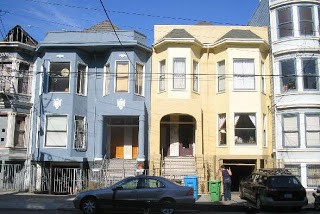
[179, 33]
[103, 26]
[240, 34]
[18, 34]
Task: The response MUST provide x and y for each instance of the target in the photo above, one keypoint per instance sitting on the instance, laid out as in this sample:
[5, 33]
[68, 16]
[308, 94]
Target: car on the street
[141, 191]
[273, 188]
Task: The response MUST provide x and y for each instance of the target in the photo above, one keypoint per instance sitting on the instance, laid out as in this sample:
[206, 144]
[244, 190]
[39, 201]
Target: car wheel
[241, 193]
[167, 207]
[89, 205]
[258, 203]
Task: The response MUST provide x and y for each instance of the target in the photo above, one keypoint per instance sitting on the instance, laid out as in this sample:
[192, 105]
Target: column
[10, 129]
[141, 156]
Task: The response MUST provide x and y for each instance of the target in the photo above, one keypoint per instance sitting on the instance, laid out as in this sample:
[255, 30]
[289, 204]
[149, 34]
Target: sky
[38, 17]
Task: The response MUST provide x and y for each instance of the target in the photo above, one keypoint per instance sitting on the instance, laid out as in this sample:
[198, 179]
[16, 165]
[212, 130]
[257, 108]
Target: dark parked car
[273, 188]
[137, 192]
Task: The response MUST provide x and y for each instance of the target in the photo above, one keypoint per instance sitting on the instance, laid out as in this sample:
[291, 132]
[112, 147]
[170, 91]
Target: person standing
[226, 178]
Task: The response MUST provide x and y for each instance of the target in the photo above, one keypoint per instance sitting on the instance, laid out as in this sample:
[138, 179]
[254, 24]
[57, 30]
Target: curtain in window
[222, 120]
[221, 76]
[313, 130]
[56, 134]
[253, 119]
[122, 76]
[236, 119]
[243, 74]
[179, 74]
[313, 175]
[162, 86]
[291, 134]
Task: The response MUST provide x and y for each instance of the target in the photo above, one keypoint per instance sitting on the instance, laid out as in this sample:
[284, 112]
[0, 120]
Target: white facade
[295, 37]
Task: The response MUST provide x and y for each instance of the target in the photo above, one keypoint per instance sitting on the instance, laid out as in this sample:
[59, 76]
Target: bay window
[288, 74]
[195, 76]
[56, 131]
[162, 76]
[244, 76]
[313, 130]
[221, 76]
[306, 20]
[80, 131]
[122, 76]
[290, 130]
[245, 128]
[139, 79]
[285, 23]
[59, 74]
[81, 79]
[310, 74]
[222, 132]
[179, 73]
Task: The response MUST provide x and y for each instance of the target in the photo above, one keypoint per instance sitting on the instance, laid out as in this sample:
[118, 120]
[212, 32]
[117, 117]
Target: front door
[186, 133]
[117, 142]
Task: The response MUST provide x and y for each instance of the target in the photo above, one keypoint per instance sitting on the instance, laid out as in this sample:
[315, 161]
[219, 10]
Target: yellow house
[210, 102]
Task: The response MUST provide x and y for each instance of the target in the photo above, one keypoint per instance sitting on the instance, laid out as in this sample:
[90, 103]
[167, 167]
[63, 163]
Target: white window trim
[244, 75]
[143, 79]
[85, 133]
[221, 75]
[106, 79]
[115, 76]
[185, 74]
[70, 72]
[85, 82]
[45, 137]
[162, 74]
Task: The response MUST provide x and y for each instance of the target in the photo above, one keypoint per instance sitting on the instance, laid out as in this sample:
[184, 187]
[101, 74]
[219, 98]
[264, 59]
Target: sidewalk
[24, 201]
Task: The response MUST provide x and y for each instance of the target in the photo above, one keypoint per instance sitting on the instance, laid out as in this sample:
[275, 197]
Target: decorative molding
[121, 103]
[59, 55]
[57, 103]
[122, 55]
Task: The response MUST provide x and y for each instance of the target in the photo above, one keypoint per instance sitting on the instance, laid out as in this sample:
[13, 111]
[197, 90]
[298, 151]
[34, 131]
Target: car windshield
[284, 182]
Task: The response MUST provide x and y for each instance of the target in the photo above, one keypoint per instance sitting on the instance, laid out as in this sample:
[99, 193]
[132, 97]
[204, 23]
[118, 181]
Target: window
[294, 169]
[313, 130]
[288, 74]
[221, 76]
[222, 136]
[106, 79]
[306, 20]
[6, 76]
[151, 183]
[131, 184]
[23, 79]
[290, 130]
[263, 78]
[80, 131]
[139, 79]
[122, 76]
[285, 23]
[313, 175]
[56, 131]
[81, 79]
[310, 74]
[59, 77]
[195, 76]
[264, 120]
[162, 76]
[243, 70]
[19, 131]
[179, 73]
[245, 128]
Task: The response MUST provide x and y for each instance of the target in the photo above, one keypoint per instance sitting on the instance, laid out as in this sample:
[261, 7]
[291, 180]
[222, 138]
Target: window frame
[287, 115]
[242, 77]
[279, 25]
[286, 87]
[311, 131]
[106, 77]
[162, 76]
[176, 76]
[308, 21]
[139, 79]
[59, 76]
[123, 76]
[221, 130]
[263, 78]
[46, 145]
[221, 75]
[82, 80]
[77, 145]
[315, 175]
[237, 141]
[307, 75]
[195, 76]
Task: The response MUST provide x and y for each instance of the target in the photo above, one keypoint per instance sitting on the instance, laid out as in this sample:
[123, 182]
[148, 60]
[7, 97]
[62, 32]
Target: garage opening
[240, 170]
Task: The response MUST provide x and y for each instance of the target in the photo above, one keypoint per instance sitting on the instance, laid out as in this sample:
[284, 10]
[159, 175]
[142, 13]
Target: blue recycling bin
[192, 181]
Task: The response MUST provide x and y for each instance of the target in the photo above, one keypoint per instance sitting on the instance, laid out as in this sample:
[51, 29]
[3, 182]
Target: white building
[294, 37]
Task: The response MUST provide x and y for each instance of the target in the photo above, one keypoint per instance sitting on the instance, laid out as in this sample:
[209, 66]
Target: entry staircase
[118, 169]
[176, 168]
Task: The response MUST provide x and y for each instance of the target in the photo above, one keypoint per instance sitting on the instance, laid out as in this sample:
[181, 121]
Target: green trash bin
[215, 190]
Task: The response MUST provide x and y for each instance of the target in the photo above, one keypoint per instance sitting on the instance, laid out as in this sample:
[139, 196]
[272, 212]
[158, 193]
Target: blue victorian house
[91, 106]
